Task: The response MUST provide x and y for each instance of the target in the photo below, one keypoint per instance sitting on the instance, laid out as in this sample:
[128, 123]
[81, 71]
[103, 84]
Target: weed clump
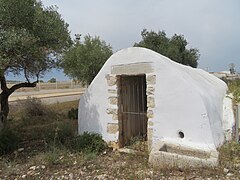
[230, 152]
[34, 107]
[9, 141]
[234, 88]
[59, 133]
[34, 112]
[73, 113]
[138, 143]
[89, 143]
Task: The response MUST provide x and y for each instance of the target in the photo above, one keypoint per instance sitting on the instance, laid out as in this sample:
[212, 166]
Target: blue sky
[212, 26]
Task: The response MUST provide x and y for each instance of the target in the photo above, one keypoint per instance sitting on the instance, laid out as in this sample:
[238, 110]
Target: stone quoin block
[112, 91]
[112, 128]
[113, 100]
[111, 111]
[150, 114]
[150, 90]
[115, 117]
[111, 80]
[151, 79]
[150, 123]
[150, 102]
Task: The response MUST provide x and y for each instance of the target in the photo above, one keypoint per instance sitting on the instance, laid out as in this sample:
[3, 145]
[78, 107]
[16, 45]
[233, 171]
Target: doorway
[132, 107]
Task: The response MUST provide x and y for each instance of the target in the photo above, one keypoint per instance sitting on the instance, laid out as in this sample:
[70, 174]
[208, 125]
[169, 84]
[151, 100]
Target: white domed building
[176, 108]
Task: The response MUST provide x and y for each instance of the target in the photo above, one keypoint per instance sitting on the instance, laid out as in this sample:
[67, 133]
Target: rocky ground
[62, 164]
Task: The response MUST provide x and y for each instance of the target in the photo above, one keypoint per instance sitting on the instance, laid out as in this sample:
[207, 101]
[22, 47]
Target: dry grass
[64, 107]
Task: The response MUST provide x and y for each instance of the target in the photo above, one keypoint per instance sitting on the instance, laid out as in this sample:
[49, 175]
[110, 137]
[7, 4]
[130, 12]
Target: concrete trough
[174, 156]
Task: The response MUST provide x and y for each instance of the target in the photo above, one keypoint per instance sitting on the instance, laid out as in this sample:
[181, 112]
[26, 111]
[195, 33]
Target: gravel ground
[109, 165]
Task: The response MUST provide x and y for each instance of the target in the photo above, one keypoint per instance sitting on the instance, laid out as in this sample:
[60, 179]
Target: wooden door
[132, 108]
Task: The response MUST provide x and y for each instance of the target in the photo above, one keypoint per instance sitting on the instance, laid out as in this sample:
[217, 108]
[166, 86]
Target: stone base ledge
[173, 156]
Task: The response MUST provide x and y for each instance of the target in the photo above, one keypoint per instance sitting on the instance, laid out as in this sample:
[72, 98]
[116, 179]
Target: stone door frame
[113, 104]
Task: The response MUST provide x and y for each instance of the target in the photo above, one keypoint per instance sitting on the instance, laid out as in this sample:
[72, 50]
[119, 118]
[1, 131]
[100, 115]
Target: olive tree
[32, 37]
[174, 48]
[84, 59]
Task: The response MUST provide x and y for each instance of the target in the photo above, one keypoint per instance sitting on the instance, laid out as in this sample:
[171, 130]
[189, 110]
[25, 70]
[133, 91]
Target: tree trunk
[4, 109]
[6, 92]
[4, 102]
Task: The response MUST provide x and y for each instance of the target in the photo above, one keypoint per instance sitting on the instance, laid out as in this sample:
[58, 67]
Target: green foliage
[138, 143]
[35, 113]
[8, 141]
[52, 80]
[58, 134]
[31, 37]
[63, 136]
[90, 156]
[173, 48]
[64, 132]
[234, 88]
[52, 157]
[84, 60]
[230, 154]
[33, 107]
[73, 113]
[46, 123]
[89, 143]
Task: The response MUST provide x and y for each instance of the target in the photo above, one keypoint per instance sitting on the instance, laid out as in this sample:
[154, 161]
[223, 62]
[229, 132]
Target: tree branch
[37, 75]
[25, 74]
[21, 85]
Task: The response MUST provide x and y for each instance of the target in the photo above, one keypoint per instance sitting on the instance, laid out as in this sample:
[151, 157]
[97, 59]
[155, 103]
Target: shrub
[65, 132]
[138, 143]
[8, 141]
[33, 107]
[230, 154]
[234, 88]
[59, 134]
[52, 156]
[89, 142]
[73, 113]
[34, 112]
[90, 156]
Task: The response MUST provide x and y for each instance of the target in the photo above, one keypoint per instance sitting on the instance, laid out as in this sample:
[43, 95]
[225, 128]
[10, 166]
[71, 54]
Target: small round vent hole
[181, 134]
